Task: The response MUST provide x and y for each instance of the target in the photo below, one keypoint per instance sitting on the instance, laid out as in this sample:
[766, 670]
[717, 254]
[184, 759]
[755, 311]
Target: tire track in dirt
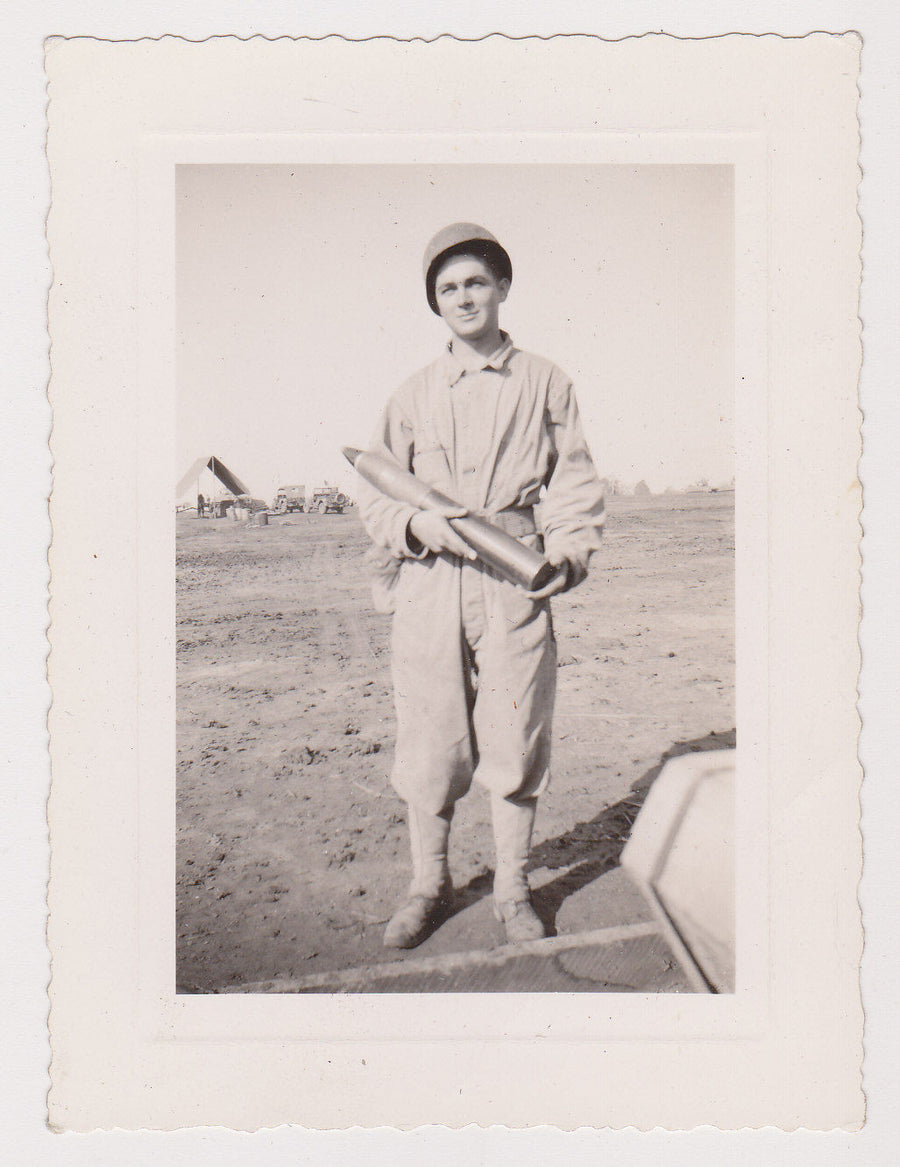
[340, 629]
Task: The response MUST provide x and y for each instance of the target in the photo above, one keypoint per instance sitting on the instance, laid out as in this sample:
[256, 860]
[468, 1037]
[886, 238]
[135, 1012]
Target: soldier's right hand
[433, 531]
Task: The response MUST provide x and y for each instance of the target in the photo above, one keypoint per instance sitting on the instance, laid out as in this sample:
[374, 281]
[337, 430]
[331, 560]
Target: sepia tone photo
[455, 586]
[471, 739]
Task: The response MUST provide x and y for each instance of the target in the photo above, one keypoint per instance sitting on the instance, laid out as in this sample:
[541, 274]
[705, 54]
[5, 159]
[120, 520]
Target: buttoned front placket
[475, 398]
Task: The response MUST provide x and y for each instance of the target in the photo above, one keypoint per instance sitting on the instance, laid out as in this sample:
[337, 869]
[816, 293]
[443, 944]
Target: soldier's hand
[570, 574]
[558, 583]
[433, 531]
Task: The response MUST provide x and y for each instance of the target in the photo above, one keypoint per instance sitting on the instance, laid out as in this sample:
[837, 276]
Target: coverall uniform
[474, 657]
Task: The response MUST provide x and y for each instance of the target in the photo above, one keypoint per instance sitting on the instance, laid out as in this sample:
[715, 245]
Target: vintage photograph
[455, 582]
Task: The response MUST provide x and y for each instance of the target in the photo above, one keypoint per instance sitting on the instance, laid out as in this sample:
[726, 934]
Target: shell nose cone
[351, 454]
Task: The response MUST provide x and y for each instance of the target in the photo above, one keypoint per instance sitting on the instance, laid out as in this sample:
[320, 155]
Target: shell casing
[510, 558]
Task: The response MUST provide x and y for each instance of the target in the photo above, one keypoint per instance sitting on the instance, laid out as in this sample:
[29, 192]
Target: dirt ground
[291, 844]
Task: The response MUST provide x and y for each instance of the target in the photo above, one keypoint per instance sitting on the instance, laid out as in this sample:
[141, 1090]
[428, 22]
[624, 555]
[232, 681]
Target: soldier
[474, 657]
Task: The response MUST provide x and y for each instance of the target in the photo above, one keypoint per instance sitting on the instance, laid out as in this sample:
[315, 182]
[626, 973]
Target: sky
[301, 307]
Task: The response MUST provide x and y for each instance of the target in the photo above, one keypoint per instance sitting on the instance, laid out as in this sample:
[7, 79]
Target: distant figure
[201, 503]
[474, 658]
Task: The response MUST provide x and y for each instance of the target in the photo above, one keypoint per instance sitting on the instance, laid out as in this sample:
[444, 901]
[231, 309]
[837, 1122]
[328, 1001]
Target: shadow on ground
[592, 848]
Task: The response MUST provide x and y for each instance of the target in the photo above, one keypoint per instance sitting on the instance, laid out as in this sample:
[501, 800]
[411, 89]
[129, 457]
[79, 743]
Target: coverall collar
[456, 369]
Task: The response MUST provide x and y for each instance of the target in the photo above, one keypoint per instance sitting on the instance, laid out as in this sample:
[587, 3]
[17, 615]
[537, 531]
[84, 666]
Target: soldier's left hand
[569, 575]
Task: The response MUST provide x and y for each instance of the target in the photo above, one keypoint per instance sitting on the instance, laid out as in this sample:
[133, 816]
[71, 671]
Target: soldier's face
[469, 296]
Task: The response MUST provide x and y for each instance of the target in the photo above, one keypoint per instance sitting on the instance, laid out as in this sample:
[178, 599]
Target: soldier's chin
[470, 329]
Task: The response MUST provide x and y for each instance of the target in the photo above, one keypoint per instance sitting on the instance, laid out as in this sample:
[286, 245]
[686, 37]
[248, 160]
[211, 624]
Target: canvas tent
[229, 480]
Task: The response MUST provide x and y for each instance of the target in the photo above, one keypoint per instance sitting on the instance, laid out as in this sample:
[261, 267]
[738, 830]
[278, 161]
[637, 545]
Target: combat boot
[513, 823]
[431, 890]
[520, 920]
[418, 918]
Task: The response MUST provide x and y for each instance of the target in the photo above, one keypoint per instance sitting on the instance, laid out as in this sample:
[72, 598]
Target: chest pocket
[431, 465]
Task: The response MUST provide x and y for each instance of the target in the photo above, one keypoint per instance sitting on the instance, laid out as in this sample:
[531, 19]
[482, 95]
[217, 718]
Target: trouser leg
[515, 660]
[513, 823]
[433, 756]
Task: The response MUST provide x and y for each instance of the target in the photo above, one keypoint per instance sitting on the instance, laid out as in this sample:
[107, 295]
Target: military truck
[290, 498]
[327, 500]
[323, 499]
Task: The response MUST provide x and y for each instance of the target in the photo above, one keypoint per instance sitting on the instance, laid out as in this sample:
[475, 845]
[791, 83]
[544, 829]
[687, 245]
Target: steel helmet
[462, 239]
